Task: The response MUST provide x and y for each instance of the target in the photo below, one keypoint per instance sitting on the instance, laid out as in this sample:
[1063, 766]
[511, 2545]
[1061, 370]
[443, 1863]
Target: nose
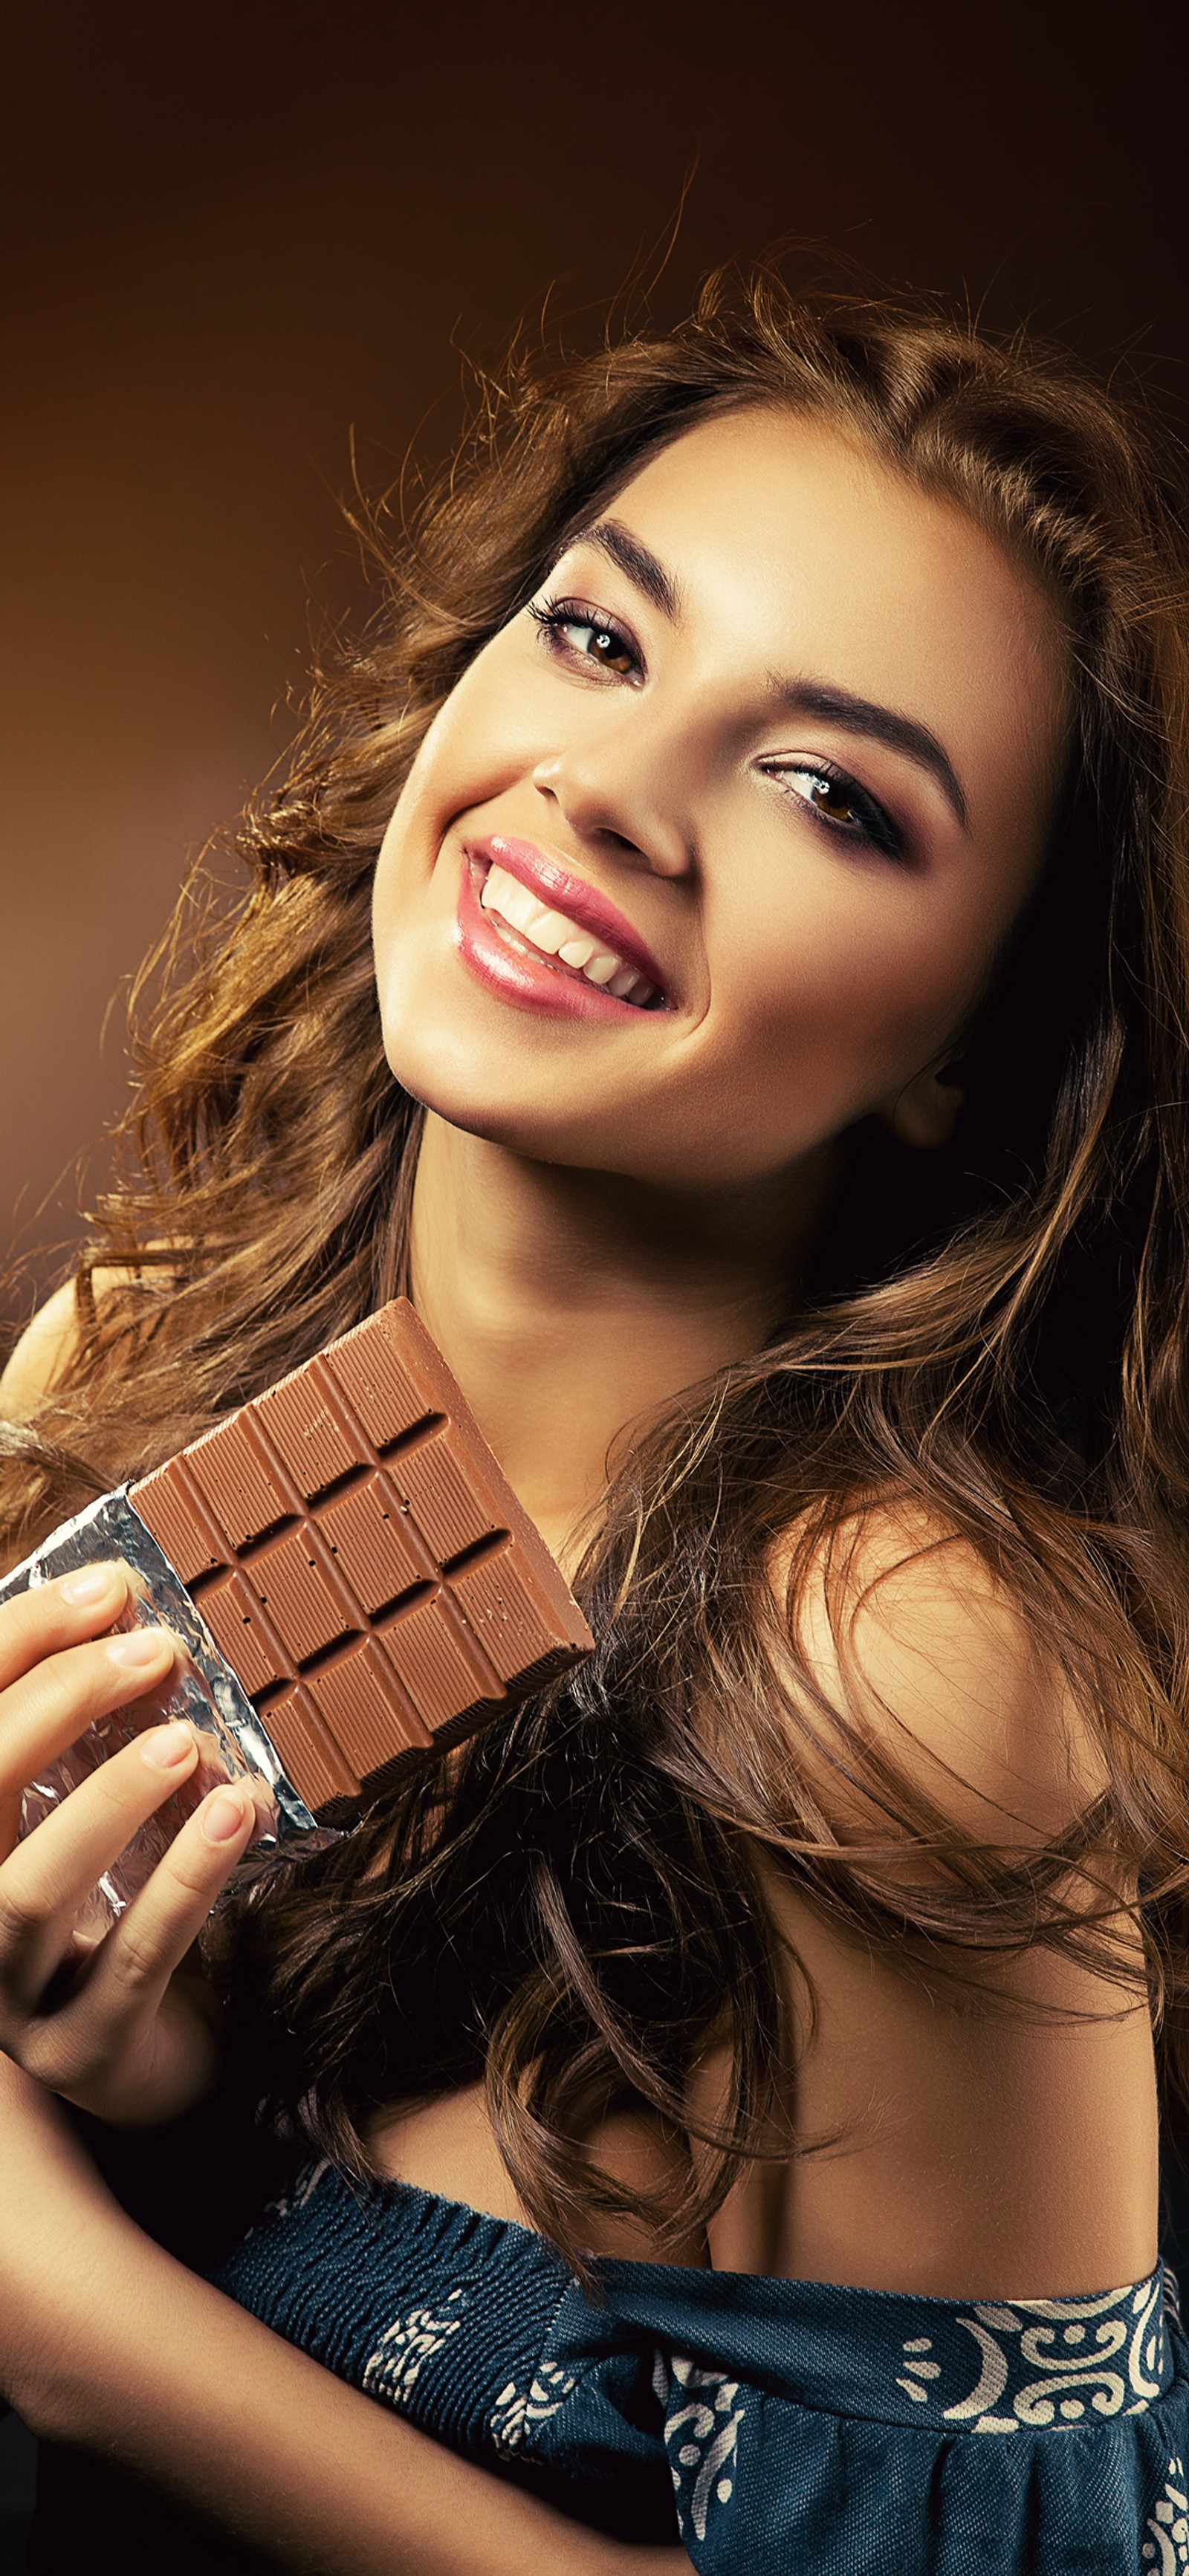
[614, 801]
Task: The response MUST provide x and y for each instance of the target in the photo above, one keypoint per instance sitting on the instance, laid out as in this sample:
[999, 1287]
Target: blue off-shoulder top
[788, 2426]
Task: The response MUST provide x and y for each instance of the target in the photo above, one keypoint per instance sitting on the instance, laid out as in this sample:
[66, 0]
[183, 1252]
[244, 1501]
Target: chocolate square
[362, 1561]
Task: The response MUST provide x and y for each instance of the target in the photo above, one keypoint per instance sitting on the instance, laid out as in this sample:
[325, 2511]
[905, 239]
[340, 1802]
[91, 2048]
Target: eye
[839, 803]
[583, 634]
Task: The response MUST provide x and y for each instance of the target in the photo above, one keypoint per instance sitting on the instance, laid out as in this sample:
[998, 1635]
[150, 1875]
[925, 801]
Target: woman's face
[713, 847]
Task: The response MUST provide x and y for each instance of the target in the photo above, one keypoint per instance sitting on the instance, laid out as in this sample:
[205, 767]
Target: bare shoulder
[922, 1649]
[40, 1356]
[46, 1348]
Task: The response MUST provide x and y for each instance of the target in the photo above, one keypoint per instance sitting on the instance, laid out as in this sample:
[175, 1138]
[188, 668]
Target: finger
[48, 1876]
[44, 1621]
[54, 1703]
[141, 1953]
[51, 1616]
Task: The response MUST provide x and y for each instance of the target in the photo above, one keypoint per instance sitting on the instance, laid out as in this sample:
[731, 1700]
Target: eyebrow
[838, 706]
[877, 724]
[639, 563]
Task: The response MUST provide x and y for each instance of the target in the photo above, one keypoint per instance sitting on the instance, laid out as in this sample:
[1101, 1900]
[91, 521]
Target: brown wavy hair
[995, 1335]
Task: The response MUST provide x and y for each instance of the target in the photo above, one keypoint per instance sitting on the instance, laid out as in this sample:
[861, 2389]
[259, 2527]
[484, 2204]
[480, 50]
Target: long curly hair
[995, 1335]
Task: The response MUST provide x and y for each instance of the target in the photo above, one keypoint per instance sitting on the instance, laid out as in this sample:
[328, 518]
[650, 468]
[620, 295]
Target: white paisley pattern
[1044, 2361]
[395, 2366]
[700, 2436]
[517, 2412]
[1166, 2553]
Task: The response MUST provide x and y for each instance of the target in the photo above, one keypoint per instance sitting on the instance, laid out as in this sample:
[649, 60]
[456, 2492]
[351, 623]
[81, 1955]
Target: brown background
[235, 233]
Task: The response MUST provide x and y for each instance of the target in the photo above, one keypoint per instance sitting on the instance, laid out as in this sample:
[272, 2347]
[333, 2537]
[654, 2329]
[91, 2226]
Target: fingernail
[141, 1648]
[223, 1815]
[168, 1745]
[89, 1586]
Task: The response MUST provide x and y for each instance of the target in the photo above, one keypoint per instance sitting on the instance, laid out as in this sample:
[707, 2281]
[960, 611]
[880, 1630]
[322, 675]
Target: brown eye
[602, 645]
[827, 798]
[581, 635]
[840, 805]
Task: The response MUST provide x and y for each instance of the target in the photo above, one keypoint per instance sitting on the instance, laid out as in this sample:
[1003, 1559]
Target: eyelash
[555, 614]
[875, 829]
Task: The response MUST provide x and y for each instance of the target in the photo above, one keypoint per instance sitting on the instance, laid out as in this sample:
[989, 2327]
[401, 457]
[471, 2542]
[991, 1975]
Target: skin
[112, 2345]
[605, 1213]
[609, 1207]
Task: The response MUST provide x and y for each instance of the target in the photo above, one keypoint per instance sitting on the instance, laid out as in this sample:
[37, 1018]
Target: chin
[496, 1094]
[440, 1058]
[444, 1077]
[517, 1127]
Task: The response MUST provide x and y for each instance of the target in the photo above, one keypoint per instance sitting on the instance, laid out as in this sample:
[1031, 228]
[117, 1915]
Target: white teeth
[558, 937]
[499, 889]
[504, 894]
[548, 930]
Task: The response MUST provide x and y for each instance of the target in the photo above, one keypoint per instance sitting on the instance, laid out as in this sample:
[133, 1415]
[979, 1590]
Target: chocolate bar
[362, 1562]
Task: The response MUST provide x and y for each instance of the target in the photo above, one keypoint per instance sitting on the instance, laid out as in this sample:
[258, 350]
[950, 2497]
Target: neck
[572, 1305]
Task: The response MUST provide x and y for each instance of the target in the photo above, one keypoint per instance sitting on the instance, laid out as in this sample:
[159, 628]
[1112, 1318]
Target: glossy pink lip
[554, 885]
[528, 981]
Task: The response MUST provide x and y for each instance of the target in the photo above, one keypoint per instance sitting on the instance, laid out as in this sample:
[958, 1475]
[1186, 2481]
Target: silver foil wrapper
[233, 1745]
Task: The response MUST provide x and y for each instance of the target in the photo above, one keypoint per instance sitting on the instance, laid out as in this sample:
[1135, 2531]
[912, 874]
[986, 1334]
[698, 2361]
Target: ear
[925, 1113]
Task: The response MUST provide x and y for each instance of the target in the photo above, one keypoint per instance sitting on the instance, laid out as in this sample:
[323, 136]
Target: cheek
[488, 733]
[859, 990]
[478, 743]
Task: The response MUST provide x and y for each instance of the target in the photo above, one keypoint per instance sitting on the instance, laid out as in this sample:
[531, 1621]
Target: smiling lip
[526, 978]
[560, 892]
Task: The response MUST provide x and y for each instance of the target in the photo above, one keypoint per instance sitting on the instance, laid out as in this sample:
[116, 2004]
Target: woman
[770, 812]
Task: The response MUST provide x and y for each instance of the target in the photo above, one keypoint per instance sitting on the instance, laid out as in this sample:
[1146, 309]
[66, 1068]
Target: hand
[116, 2025]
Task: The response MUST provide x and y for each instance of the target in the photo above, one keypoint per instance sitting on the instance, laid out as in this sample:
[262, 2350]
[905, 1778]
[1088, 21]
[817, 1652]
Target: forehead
[798, 547]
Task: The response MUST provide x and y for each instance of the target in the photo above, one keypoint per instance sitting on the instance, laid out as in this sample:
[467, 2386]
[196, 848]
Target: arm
[105, 2341]
[108, 2343]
